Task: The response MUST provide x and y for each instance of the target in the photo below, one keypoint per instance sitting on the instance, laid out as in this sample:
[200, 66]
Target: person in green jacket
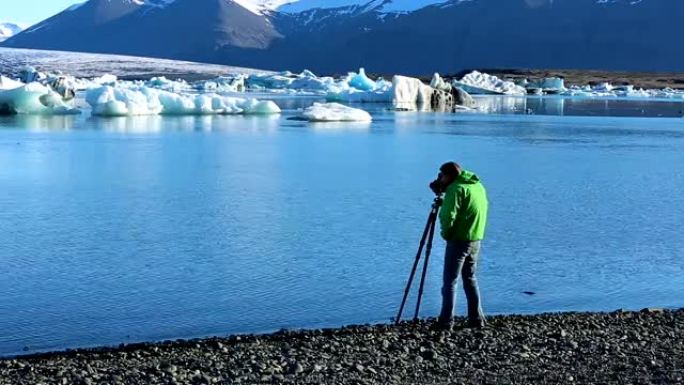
[463, 219]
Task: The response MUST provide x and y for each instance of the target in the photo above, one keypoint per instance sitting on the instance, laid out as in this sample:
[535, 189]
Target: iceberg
[28, 74]
[119, 101]
[8, 84]
[234, 84]
[410, 91]
[358, 88]
[163, 83]
[257, 107]
[478, 83]
[33, 98]
[305, 81]
[439, 84]
[553, 85]
[334, 112]
[361, 82]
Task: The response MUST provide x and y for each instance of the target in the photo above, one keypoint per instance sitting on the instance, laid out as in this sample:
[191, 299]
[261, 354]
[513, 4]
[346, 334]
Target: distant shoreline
[610, 348]
[646, 80]
[142, 68]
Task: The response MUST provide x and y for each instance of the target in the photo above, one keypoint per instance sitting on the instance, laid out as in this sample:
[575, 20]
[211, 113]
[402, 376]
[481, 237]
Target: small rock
[653, 310]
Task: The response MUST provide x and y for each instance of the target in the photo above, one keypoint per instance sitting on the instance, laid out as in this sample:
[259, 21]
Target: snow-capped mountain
[389, 36]
[297, 6]
[8, 30]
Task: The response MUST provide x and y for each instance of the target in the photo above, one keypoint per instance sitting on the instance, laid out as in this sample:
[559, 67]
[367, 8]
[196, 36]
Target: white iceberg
[335, 112]
[478, 83]
[546, 85]
[439, 83]
[410, 91]
[33, 98]
[163, 83]
[119, 101]
[233, 84]
[306, 81]
[9, 84]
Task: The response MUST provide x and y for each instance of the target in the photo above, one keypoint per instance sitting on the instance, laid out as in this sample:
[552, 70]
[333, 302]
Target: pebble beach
[620, 347]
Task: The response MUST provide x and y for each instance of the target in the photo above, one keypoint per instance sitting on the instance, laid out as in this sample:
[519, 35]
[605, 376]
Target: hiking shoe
[440, 325]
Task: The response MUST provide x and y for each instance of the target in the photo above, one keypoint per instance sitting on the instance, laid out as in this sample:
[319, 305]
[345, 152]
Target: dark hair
[451, 169]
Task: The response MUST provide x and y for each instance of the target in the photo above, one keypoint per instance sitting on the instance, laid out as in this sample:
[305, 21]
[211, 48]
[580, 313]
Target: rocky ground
[614, 348]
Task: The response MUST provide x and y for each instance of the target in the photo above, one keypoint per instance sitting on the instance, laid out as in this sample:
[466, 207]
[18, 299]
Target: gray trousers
[461, 258]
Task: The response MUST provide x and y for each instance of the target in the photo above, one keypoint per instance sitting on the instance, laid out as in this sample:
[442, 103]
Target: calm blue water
[136, 229]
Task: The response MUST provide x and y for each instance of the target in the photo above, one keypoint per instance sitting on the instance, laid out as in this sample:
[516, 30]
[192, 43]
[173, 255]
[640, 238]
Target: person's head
[449, 172]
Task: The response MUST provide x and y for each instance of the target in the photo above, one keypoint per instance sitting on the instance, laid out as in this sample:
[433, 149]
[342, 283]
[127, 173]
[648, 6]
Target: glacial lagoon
[118, 230]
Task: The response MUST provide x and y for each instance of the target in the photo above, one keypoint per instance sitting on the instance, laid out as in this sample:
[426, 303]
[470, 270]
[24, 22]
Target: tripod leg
[428, 225]
[425, 265]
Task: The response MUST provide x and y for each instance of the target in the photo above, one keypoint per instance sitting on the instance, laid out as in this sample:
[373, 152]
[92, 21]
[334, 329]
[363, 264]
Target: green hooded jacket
[464, 212]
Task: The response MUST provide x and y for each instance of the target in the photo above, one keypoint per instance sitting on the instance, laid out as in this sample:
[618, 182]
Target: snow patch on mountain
[380, 5]
[8, 30]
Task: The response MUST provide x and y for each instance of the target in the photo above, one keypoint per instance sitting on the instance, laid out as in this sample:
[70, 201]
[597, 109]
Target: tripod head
[437, 203]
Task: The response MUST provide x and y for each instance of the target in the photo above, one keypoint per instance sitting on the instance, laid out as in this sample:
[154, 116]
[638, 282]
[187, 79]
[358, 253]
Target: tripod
[428, 234]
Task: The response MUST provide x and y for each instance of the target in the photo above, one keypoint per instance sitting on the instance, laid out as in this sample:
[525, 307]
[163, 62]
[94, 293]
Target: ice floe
[334, 112]
[406, 90]
[362, 82]
[8, 84]
[54, 93]
[116, 101]
[545, 86]
[33, 98]
[440, 84]
[481, 83]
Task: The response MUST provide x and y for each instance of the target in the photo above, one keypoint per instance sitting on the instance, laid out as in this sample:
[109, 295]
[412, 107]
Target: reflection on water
[562, 106]
[40, 122]
[156, 124]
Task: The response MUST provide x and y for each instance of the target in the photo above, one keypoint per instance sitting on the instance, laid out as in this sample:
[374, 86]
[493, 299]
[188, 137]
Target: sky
[31, 11]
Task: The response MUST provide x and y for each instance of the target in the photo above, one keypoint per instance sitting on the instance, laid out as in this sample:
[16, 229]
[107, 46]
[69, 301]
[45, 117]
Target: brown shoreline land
[569, 348]
[646, 80]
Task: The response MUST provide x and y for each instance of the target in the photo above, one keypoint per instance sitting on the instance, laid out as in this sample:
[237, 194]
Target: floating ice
[105, 79]
[439, 83]
[358, 88]
[478, 83]
[603, 87]
[224, 84]
[116, 101]
[546, 85]
[410, 91]
[257, 107]
[8, 84]
[33, 98]
[335, 112]
[305, 81]
[361, 82]
[163, 83]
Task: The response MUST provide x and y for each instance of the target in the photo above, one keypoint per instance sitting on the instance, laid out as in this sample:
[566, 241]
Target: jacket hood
[467, 177]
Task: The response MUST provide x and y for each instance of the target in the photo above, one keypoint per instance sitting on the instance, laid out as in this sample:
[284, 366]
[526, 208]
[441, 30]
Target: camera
[437, 186]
